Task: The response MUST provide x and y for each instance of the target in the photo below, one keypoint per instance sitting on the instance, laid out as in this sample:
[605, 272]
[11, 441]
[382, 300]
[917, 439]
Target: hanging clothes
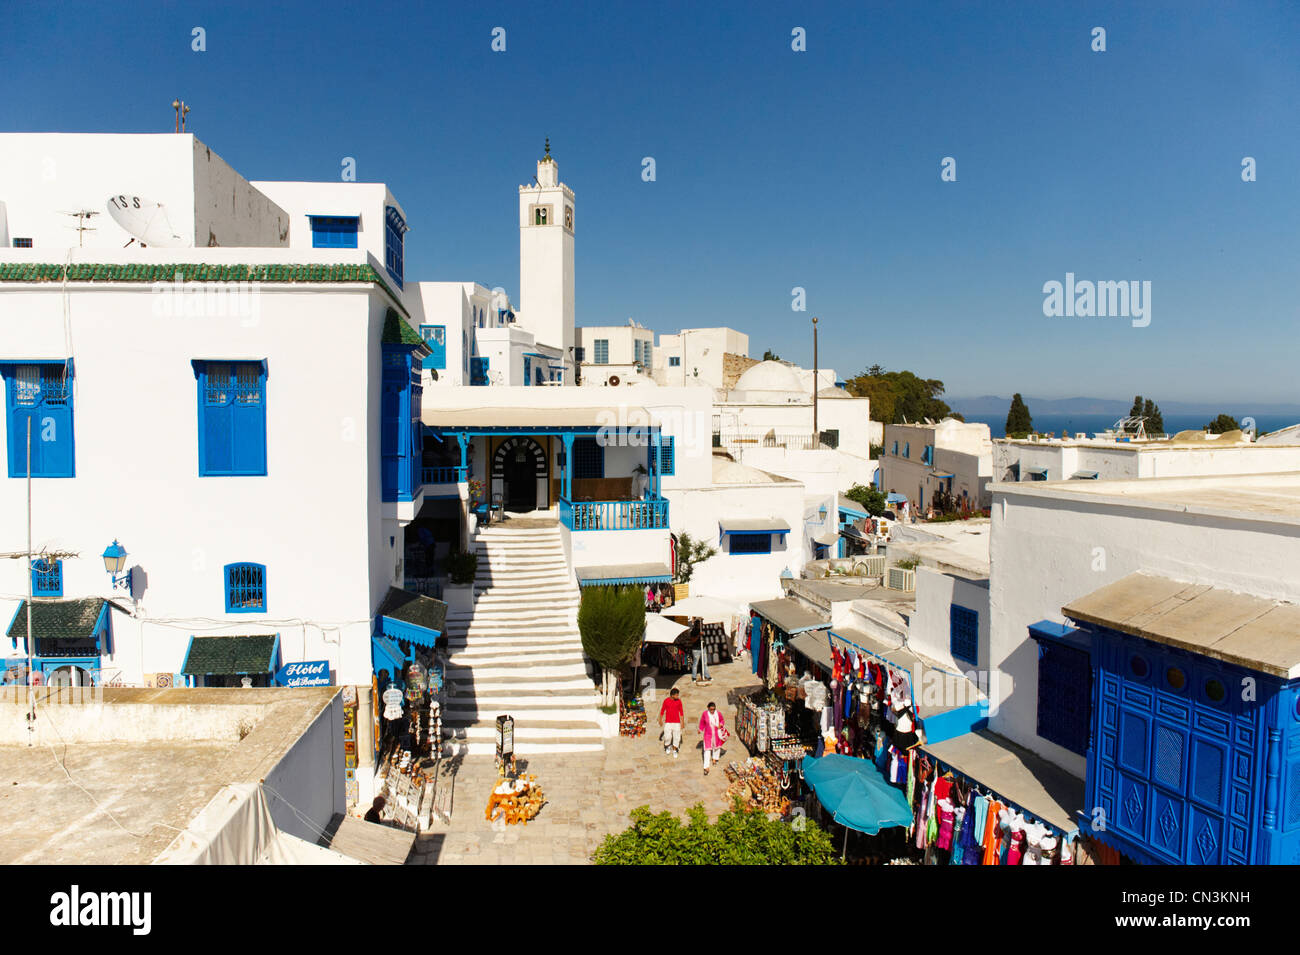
[992, 837]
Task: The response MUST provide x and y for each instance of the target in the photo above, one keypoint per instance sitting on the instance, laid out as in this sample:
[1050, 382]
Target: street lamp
[114, 561]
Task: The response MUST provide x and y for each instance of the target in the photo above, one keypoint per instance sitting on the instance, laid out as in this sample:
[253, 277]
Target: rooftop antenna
[81, 215]
[181, 111]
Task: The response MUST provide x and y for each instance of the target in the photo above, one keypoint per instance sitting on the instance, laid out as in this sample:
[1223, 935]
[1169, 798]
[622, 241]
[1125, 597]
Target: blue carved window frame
[47, 577]
[245, 586]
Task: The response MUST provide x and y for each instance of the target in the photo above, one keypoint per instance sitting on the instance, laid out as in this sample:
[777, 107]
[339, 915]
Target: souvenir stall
[715, 619]
[660, 645]
[411, 749]
[772, 624]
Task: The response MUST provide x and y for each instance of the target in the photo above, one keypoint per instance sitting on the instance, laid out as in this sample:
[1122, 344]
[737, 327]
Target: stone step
[523, 732]
[463, 638]
[533, 684]
[540, 650]
[522, 748]
[515, 658]
[488, 671]
[553, 719]
[536, 699]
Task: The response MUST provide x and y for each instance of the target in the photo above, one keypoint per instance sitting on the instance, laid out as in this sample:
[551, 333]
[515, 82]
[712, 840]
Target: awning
[1083, 476]
[1042, 471]
[1253, 632]
[662, 630]
[893, 497]
[815, 647]
[706, 609]
[412, 617]
[1014, 775]
[748, 525]
[386, 655]
[944, 474]
[536, 419]
[68, 628]
[855, 794]
[827, 538]
[231, 656]
[618, 574]
[789, 616]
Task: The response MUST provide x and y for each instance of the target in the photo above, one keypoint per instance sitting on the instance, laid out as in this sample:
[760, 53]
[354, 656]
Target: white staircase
[519, 651]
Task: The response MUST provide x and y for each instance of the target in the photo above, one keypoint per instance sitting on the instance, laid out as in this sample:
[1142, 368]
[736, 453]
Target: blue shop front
[1192, 720]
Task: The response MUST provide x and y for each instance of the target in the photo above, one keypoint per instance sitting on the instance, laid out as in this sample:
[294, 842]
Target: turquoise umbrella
[855, 794]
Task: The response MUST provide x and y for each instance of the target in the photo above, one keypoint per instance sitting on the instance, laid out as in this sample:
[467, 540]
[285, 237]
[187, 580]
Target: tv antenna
[181, 111]
[81, 215]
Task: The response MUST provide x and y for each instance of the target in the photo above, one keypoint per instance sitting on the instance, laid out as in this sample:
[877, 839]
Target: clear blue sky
[778, 169]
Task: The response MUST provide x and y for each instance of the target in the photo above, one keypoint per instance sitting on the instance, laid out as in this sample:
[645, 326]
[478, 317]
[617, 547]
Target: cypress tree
[1019, 423]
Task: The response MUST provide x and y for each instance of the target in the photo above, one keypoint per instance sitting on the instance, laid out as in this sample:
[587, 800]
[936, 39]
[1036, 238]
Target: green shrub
[461, 567]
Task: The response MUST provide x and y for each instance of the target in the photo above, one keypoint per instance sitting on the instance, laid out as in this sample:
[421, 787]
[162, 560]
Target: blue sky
[778, 169]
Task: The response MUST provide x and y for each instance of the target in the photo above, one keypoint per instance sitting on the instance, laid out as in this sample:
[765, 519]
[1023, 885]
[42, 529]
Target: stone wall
[733, 366]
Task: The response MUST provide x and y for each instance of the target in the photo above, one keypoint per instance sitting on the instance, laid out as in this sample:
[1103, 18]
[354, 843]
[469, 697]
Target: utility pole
[31, 690]
[817, 435]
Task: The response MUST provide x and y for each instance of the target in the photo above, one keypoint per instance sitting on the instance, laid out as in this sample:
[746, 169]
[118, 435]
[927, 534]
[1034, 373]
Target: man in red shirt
[671, 714]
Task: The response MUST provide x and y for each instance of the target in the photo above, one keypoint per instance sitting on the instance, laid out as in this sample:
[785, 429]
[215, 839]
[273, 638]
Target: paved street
[590, 795]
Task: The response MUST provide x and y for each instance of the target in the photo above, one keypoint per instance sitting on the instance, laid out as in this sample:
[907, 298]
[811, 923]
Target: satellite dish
[146, 220]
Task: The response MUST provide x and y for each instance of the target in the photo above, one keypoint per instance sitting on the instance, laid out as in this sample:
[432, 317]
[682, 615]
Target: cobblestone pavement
[589, 795]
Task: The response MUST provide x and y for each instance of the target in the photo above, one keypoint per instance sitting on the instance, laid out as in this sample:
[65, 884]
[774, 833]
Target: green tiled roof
[399, 332]
[415, 609]
[230, 655]
[57, 619]
[192, 272]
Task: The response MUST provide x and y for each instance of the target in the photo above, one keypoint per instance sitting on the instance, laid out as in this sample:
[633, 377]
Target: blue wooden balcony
[450, 475]
[614, 515]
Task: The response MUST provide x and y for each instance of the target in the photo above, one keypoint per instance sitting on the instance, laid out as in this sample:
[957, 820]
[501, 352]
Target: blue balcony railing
[442, 475]
[614, 515]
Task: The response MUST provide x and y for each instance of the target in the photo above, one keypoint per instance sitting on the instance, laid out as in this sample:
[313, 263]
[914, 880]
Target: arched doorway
[69, 675]
[519, 464]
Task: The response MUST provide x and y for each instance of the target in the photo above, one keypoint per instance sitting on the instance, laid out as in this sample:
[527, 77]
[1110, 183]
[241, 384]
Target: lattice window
[751, 543]
[216, 389]
[245, 588]
[47, 578]
[963, 634]
[588, 459]
[667, 455]
[248, 383]
[1168, 764]
[1064, 696]
[27, 385]
[601, 349]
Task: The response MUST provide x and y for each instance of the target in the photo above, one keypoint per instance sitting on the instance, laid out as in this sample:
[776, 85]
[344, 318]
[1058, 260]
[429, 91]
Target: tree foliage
[1223, 424]
[739, 837]
[689, 553]
[899, 395]
[612, 623]
[872, 499]
[1019, 421]
[1148, 409]
[769, 355]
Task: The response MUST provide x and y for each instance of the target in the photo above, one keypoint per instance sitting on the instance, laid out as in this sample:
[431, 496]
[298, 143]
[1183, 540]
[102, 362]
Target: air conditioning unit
[612, 381]
[873, 566]
[900, 579]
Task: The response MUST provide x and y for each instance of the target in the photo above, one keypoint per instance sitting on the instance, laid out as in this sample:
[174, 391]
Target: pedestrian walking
[713, 727]
[699, 657]
[671, 717]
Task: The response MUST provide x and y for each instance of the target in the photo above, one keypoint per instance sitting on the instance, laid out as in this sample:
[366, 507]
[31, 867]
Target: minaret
[546, 259]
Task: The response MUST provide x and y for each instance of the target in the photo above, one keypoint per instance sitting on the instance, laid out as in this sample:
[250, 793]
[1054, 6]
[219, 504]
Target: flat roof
[151, 787]
[1259, 497]
[1034, 785]
[790, 615]
[1254, 632]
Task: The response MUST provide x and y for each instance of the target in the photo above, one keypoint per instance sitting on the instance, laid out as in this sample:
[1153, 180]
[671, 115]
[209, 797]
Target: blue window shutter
[963, 634]
[667, 456]
[435, 336]
[232, 418]
[248, 418]
[41, 393]
[750, 543]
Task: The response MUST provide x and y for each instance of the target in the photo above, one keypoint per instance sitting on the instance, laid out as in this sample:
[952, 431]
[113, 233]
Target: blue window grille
[22, 243]
[394, 244]
[964, 634]
[907, 449]
[927, 456]
[47, 578]
[667, 455]
[435, 336]
[333, 232]
[674, 361]
[478, 371]
[1064, 695]
[41, 393]
[588, 458]
[245, 588]
[232, 417]
[895, 451]
[601, 348]
[750, 543]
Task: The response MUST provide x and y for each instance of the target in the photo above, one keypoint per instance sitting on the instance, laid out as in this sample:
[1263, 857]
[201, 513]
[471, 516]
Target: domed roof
[769, 376]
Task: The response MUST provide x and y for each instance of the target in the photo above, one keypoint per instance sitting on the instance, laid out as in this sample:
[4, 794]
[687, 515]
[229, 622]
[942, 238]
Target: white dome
[770, 376]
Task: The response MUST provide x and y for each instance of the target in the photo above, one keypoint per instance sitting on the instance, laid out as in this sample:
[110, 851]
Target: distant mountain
[985, 405]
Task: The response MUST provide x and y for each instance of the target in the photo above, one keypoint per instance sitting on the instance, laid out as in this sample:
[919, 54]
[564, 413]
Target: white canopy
[660, 630]
[708, 609]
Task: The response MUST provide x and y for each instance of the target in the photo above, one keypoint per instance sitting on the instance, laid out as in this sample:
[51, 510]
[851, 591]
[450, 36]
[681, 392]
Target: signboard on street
[314, 673]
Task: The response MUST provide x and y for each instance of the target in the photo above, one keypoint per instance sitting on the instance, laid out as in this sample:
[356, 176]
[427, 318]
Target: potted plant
[458, 593]
[689, 553]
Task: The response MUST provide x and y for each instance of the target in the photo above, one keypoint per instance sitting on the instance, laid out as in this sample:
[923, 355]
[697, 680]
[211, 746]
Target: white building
[712, 357]
[1100, 458]
[953, 456]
